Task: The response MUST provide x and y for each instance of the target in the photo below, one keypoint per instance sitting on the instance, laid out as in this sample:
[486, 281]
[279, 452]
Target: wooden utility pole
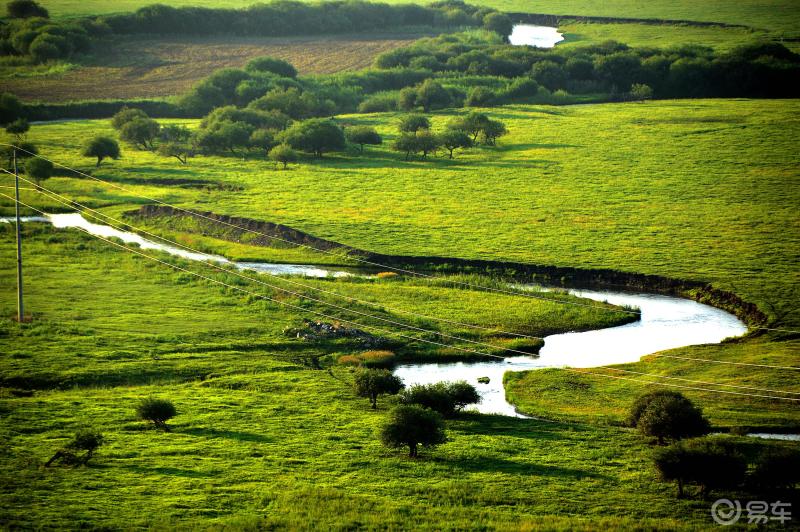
[20, 305]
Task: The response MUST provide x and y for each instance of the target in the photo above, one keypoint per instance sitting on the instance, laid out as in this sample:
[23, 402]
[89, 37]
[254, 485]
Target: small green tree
[179, 150]
[101, 148]
[158, 411]
[427, 142]
[411, 426]
[10, 108]
[406, 143]
[85, 440]
[362, 135]
[451, 139]
[19, 128]
[667, 414]
[640, 92]
[141, 132]
[284, 154]
[463, 394]
[412, 123]
[263, 139]
[432, 95]
[491, 131]
[473, 124]
[371, 383]
[38, 169]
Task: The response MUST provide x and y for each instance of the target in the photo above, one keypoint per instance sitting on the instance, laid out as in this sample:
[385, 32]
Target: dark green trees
[666, 414]
[411, 426]
[315, 136]
[101, 148]
[362, 135]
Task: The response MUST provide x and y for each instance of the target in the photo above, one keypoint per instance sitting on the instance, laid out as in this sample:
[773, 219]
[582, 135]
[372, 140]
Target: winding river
[666, 322]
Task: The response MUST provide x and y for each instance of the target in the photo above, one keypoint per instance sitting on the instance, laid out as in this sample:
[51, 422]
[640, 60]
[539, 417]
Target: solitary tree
[362, 135]
[427, 142]
[125, 115]
[413, 122]
[451, 139]
[284, 154]
[463, 394]
[667, 414]
[156, 410]
[101, 148]
[371, 383]
[38, 169]
[411, 426]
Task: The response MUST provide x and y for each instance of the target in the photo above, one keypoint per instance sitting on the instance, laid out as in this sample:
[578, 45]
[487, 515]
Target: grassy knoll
[147, 67]
[781, 15]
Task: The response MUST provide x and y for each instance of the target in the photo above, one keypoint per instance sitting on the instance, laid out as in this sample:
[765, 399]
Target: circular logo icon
[726, 512]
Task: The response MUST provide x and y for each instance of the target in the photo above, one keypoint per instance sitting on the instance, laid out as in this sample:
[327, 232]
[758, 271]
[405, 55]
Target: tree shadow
[228, 434]
[493, 425]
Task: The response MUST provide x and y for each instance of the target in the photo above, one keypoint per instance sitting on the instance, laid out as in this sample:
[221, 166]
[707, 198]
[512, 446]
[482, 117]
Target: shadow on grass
[228, 434]
[171, 471]
[494, 425]
[500, 465]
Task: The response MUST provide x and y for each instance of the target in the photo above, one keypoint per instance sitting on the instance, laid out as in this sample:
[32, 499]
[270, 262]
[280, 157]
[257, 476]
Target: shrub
[412, 123]
[315, 136]
[38, 169]
[436, 396]
[463, 394]
[372, 383]
[349, 360]
[411, 426]
[101, 148]
[667, 414]
[271, 64]
[362, 135]
[377, 359]
[379, 103]
[284, 154]
[125, 115]
[709, 463]
[158, 411]
[479, 96]
[85, 440]
[499, 23]
[25, 9]
[10, 108]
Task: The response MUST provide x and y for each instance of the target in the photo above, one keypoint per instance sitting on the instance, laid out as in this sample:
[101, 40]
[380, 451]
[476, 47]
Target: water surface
[531, 35]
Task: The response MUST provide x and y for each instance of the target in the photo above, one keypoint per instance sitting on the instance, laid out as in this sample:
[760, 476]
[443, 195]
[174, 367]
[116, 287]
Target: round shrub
[158, 411]
[667, 414]
[411, 426]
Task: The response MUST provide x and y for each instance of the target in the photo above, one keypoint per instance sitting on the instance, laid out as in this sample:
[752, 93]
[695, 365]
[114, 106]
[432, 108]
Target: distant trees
[667, 414]
[460, 132]
[372, 383]
[362, 135]
[411, 123]
[315, 136]
[411, 426]
[641, 92]
[270, 64]
[499, 23]
[101, 148]
[451, 139]
[157, 411]
[429, 95]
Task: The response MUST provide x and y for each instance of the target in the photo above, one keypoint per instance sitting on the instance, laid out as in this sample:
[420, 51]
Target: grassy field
[701, 189]
[260, 440]
[145, 67]
[662, 36]
[781, 15]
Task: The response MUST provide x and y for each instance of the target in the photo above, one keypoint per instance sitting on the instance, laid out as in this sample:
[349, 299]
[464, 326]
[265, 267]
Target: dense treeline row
[30, 35]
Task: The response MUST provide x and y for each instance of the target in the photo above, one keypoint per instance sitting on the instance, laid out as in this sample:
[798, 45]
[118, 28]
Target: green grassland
[698, 189]
[662, 36]
[770, 14]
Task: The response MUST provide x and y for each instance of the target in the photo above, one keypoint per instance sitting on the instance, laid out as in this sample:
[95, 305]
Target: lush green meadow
[698, 189]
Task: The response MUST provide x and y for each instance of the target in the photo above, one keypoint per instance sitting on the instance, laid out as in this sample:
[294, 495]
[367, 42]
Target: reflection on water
[539, 36]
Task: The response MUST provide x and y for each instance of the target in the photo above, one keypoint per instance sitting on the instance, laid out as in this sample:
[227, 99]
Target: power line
[697, 381]
[357, 259]
[262, 296]
[790, 368]
[72, 203]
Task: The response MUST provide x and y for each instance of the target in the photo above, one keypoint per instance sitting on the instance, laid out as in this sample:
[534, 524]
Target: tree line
[30, 34]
